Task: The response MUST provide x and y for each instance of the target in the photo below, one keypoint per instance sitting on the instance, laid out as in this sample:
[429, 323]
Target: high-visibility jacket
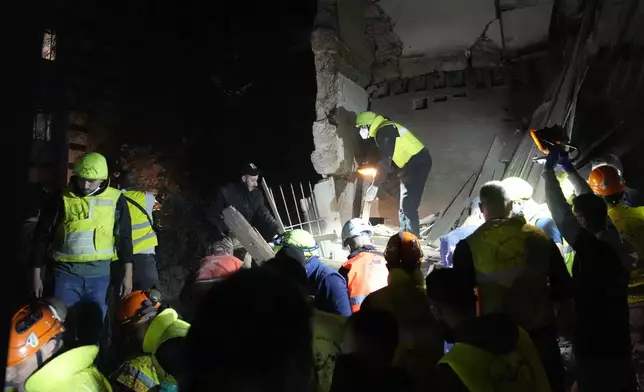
[73, 370]
[629, 221]
[568, 251]
[483, 371]
[407, 145]
[165, 326]
[367, 273]
[137, 374]
[511, 262]
[87, 229]
[144, 238]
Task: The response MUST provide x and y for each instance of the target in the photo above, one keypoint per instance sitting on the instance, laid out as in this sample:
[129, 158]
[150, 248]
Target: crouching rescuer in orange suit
[82, 228]
[366, 270]
[411, 164]
[37, 360]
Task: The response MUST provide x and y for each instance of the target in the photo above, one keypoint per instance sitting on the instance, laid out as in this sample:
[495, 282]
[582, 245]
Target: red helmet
[31, 328]
[138, 304]
[606, 181]
[216, 267]
[404, 249]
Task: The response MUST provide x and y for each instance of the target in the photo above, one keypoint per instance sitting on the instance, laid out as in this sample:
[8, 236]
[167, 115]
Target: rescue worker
[245, 196]
[82, 228]
[325, 284]
[37, 360]
[402, 154]
[602, 341]
[144, 239]
[136, 372]
[632, 197]
[421, 338]
[160, 334]
[449, 241]
[491, 353]
[518, 271]
[365, 269]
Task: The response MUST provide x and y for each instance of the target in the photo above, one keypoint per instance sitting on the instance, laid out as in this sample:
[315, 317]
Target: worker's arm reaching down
[263, 218]
[386, 141]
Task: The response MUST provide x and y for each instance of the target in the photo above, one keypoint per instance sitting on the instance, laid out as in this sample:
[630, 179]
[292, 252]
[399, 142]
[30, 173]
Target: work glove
[558, 156]
[371, 193]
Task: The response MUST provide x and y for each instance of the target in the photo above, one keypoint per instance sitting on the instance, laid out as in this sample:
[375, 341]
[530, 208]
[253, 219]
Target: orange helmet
[138, 304]
[216, 267]
[605, 181]
[404, 248]
[32, 327]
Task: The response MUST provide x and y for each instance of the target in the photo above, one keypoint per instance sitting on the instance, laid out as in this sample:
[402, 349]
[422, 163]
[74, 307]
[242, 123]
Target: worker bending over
[82, 227]
[518, 271]
[491, 353]
[411, 164]
[144, 239]
[326, 285]
[366, 270]
[37, 360]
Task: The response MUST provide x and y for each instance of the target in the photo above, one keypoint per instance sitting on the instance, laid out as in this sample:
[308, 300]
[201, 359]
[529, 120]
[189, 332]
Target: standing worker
[411, 160]
[82, 227]
[245, 196]
[519, 272]
[366, 270]
[144, 240]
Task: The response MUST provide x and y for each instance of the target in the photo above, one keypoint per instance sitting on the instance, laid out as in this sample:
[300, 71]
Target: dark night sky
[183, 57]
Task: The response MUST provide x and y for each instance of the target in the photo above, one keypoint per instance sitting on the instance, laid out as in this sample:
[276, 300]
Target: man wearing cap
[245, 196]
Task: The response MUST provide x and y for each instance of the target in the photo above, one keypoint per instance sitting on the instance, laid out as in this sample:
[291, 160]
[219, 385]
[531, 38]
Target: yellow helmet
[517, 188]
[92, 166]
[365, 119]
[300, 239]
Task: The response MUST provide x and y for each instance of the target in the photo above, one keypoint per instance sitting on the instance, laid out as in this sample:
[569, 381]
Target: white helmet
[356, 227]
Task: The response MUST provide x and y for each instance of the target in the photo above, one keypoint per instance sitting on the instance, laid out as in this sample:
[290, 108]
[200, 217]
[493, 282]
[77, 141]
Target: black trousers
[412, 185]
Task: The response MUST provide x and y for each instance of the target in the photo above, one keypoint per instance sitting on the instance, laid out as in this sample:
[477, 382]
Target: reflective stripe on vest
[137, 374]
[86, 232]
[629, 221]
[143, 235]
[511, 261]
[367, 273]
[482, 371]
[407, 145]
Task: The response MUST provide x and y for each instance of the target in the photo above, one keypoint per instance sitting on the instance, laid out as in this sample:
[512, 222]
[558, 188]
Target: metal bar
[315, 207]
[271, 203]
[288, 215]
[307, 203]
[297, 209]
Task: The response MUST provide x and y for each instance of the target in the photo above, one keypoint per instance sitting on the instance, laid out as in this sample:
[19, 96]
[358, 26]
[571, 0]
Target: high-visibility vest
[407, 145]
[165, 326]
[72, 370]
[137, 374]
[143, 235]
[87, 230]
[483, 371]
[629, 221]
[511, 261]
[568, 251]
[367, 273]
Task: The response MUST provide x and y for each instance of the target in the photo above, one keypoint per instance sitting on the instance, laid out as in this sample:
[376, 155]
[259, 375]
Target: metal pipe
[271, 203]
[297, 209]
[288, 215]
[308, 205]
[315, 208]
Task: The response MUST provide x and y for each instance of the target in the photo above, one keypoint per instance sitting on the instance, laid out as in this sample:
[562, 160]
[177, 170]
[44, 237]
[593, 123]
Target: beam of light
[368, 171]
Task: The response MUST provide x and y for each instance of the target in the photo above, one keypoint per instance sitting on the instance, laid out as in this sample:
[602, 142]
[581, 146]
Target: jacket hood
[62, 368]
[496, 333]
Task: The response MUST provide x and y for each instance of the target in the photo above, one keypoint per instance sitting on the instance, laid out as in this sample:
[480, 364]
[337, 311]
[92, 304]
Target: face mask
[364, 132]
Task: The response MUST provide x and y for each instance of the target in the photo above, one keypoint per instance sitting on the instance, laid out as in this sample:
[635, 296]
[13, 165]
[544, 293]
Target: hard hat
[216, 267]
[365, 119]
[517, 188]
[356, 227]
[606, 181]
[92, 166]
[31, 328]
[298, 238]
[138, 304]
[608, 160]
[404, 249]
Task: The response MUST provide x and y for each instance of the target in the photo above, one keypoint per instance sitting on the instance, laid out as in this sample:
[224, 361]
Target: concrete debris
[385, 44]
[384, 230]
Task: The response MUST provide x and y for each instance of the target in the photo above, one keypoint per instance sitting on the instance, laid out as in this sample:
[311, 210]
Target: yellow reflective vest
[511, 262]
[137, 374]
[483, 371]
[143, 235]
[568, 251]
[86, 232]
[407, 145]
[629, 221]
[73, 370]
[165, 326]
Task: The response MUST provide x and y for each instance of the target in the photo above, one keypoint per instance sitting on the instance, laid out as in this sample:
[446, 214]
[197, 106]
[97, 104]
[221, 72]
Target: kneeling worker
[411, 160]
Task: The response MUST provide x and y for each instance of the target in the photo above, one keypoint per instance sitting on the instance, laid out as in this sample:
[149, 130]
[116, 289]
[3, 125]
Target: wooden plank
[247, 235]
[453, 211]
